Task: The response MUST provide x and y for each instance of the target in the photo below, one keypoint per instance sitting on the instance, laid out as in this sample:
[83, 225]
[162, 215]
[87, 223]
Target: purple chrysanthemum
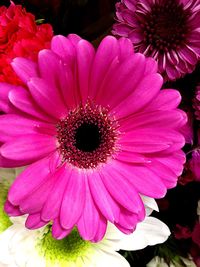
[97, 132]
[167, 30]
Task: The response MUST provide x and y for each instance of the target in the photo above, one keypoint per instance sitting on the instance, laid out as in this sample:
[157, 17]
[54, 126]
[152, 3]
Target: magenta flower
[97, 132]
[167, 30]
[196, 103]
[194, 164]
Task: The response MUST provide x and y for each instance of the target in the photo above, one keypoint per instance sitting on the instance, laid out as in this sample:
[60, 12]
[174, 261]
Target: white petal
[149, 232]
[108, 259]
[150, 204]
[4, 242]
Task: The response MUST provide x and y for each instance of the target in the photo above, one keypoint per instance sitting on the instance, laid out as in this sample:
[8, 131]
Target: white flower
[36, 248]
[160, 262]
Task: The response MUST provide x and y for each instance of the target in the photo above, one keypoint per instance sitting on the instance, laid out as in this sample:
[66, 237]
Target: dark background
[88, 18]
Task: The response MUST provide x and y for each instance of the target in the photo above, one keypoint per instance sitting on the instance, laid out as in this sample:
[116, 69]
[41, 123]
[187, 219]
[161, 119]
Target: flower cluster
[99, 134]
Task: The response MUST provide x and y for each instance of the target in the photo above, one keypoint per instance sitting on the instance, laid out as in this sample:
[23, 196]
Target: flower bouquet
[99, 133]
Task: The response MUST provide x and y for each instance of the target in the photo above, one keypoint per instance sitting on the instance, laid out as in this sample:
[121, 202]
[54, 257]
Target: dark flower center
[166, 25]
[87, 136]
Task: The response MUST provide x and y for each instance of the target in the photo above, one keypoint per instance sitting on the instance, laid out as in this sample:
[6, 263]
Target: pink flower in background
[167, 30]
[187, 129]
[194, 164]
[196, 234]
[196, 103]
[97, 132]
[182, 232]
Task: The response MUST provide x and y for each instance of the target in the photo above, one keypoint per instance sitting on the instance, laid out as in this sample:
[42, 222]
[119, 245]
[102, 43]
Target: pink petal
[30, 180]
[130, 4]
[141, 178]
[74, 196]
[174, 161]
[12, 210]
[8, 163]
[58, 232]
[168, 177]
[47, 97]
[151, 66]
[62, 78]
[102, 198]
[125, 48]
[167, 99]
[34, 221]
[149, 140]
[157, 119]
[141, 96]
[121, 190]
[30, 147]
[85, 56]
[107, 51]
[63, 47]
[25, 68]
[5, 104]
[34, 202]
[131, 72]
[127, 155]
[101, 230]
[172, 71]
[128, 219]
[188, 55]
[22, 100]
[89, 220]
[74, 38]
[124, 230]
[52, 206]
[12, 126]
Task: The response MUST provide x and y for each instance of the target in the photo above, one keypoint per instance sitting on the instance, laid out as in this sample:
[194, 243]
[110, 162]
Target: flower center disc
[87, 136]
[165, 25]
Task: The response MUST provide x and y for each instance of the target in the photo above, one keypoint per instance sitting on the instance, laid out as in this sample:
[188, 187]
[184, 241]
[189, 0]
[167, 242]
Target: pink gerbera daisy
[167, 30]
[97, 132]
